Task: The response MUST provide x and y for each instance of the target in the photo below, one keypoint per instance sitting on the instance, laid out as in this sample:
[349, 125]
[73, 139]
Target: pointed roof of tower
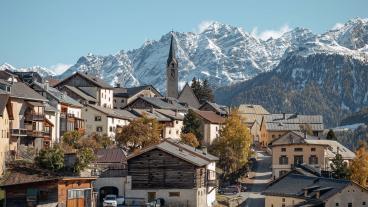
[172, 55]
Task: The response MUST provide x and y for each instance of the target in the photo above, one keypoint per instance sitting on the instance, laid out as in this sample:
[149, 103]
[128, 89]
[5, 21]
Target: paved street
[258, 182]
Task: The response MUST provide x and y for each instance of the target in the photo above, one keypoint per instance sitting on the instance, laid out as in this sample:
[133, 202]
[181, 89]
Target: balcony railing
[34, 117]
[18, 132]
[34, 133]
[212, 183]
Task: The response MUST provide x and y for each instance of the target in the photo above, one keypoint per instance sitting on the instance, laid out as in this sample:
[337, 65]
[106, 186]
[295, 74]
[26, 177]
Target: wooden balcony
[34, 117]
[18, 132]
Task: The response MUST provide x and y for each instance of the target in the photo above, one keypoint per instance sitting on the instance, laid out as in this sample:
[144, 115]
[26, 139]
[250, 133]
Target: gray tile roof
[94, 80]
[129, 92]
[151, 114]
[221, 109]
[121, 114]
[293, 185]
[58, 95]
[21, 90]
[292, 122]
[182, 151]
[165, 103]
[48, 107]
[170, 113]
[80, 93]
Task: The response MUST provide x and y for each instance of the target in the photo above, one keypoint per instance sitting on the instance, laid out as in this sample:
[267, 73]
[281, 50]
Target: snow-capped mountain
[221, 53]
[44, 72]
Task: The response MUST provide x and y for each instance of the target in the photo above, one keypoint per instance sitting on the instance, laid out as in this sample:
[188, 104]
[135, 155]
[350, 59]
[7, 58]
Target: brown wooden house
[178, 173]
[31, 187]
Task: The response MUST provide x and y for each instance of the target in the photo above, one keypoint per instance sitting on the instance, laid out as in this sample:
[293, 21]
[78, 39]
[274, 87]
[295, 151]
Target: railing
[212, 183]
[35, 133]
[34, 117]
[18, 132]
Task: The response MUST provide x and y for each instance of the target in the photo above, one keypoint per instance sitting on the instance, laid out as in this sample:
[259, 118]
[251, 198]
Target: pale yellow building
[296, 148]
[210, 125]
[5, 116]
[252, 115]
[299, 190]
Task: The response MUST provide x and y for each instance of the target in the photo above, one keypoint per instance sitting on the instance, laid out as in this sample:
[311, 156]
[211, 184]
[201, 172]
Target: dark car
[233, 189]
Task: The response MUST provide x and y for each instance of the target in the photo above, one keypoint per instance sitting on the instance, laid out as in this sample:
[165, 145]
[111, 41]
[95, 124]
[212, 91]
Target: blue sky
[56, 33]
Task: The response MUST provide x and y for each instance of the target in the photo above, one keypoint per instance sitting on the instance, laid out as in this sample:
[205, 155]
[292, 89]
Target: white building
[211, 123]
[104, 120]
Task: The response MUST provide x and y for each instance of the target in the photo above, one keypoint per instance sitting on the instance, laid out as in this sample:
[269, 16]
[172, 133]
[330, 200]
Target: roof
[221, 109]
[293, 137]
[3, 101]
[182, 151]
[210, 116]
[21, 90]
[187, 96]
[113, 155]
[292, 122]
[334, 147]
[115, 113]
[172, 56]
[58, 95]
[252, 109]
[163, 103]
[96, 81]
[172, 114]
[53, 82]
[153, 114]
[2, 81]
[48, 107]
[293, 185]
[129, 92]
[80, 93]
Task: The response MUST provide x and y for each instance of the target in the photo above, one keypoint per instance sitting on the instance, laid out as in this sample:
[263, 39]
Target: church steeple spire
[172, 53]
[172, 71]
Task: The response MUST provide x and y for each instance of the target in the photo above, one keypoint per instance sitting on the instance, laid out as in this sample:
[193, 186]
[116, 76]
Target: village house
[111, 170]
[296, 148]
[105, 120]
[276, 125]
[211, 123]
[188, 97]
[221, 110]
[180, 174]
[252, 115]
[124, 96]
[9, 76]
[87, 88]
[29, 77]
[68, 116]
[6, 115]
[27, 186]
[172, 121]
[28, 126]
[300, 190]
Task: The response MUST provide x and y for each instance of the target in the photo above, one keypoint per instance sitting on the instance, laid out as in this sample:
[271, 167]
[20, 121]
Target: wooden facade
[157, 169]
[68, 192]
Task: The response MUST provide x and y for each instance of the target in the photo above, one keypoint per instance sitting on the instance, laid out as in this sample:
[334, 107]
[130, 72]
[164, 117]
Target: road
[258, 182]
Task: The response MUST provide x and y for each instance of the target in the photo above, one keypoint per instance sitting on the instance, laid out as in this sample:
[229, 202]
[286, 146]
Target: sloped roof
[182, 151]
[21, 90]
[334, 147]
[58, 95]
[121, 114]
[210, 116]
[96, 81]
[170, 113]
[112, 155]
[187, 96]
[153, 114]
[80, 93]
[252, 109]
[293, 137]
[3, 101]
[48, 107]
[293, 185]
[221, 109]
[292, 122]
[129, 92]
[164, 103]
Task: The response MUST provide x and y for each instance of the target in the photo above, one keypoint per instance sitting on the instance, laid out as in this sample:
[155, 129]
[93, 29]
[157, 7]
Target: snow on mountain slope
[221, 53]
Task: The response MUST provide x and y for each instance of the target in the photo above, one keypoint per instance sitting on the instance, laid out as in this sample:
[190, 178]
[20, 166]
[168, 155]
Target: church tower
[172, 72]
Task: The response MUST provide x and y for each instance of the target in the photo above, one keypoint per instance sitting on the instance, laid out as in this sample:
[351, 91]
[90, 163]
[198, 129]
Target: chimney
[46, 85]
[117, 85]
[62, 94]
[305, 192]
[204, 150]
[318, 194]
[152, 110]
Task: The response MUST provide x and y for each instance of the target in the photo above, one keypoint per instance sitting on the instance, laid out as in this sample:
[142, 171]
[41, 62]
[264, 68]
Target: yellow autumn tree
[359, 166]
[189, 139]
[233, 144]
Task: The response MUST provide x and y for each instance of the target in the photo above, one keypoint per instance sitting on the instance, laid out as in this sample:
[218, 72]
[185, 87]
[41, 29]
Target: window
[283, 160]
[177, 131]
[99, 129]
[111, 129]
[337, 204]
[363, 203]
[350, 204]
[97, 118]
[174, 194]
[170, 131]
[283, 149]
[313, 149]
[283, 199]
[313, 160]
[298, 159]
[176, 122]
[298, 149]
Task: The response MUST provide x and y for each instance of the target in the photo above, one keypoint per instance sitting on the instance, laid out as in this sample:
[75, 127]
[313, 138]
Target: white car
[110, 201]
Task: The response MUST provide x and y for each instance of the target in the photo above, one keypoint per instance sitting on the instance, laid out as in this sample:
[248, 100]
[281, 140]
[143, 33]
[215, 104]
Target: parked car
[233, 189]
[110, 201]
[243, 188]
[120, 201]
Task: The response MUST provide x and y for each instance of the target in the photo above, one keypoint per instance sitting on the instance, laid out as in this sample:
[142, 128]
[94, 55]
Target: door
[151, 196]
[298, 159]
